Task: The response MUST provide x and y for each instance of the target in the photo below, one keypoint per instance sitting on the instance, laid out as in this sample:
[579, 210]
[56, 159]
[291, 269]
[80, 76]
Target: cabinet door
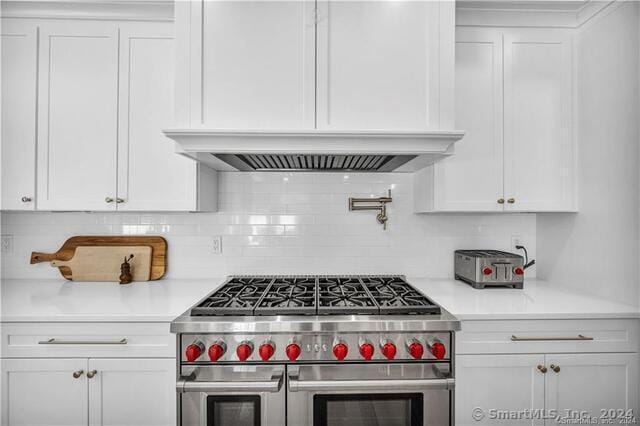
[151, 176]
[497, 382]
[132, 392]
[539, 146]
[44, 392]
[19, 65]
[592, 382]
[384, 65]
[257, 69]
[472, 179]
[77, 116]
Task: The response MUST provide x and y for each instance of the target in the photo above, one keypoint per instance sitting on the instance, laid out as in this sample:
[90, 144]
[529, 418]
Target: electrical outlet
[7, 244]
[217, 245]
[516, 240]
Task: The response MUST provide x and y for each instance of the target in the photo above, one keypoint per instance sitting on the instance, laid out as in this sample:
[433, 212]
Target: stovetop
[315, 295]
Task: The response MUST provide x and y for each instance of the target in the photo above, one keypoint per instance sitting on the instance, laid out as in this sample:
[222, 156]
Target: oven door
[370, 394]
[232, 396]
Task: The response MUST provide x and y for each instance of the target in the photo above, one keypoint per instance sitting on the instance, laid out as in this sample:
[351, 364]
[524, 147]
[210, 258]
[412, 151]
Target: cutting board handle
[37, 257]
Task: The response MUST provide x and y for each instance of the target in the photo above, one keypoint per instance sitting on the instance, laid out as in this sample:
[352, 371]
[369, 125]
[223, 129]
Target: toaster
[494, 268]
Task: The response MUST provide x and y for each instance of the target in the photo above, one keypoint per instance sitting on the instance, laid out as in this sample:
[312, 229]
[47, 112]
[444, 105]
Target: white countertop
[162, 301]
[537, 300]
[61, 300]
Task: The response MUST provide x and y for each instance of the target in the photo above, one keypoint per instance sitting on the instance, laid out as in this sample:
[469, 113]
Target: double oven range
[317, 351]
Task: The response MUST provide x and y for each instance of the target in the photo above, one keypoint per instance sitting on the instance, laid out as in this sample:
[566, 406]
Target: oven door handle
[273, 385]
[296, 385]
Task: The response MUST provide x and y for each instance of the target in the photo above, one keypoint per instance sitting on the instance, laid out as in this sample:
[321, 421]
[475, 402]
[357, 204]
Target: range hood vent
[325, 163]
[315, 150]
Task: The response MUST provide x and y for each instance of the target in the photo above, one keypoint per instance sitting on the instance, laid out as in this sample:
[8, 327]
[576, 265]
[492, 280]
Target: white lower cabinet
[39, 392]
[497, 382]
[593, 383]
[96, 392]
[98, 374]
[132, 392]
[519, 372]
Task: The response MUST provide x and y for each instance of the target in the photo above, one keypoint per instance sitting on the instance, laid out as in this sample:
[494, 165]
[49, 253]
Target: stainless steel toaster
[482, 268]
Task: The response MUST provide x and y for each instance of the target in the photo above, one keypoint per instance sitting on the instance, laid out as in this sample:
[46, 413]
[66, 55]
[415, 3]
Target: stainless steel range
[315, 350]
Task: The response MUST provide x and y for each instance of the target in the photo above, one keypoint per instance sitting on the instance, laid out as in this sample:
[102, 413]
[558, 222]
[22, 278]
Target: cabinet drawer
[547, 336]
[87, 340]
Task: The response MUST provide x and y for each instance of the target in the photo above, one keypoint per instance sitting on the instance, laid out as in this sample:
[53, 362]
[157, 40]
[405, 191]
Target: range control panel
[323, 347]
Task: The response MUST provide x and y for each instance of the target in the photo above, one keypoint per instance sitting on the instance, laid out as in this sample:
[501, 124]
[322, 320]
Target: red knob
[194, 351]
[216, 351]
[416, 350]
[487, 270]
[518, 271]
[340, 351]
[293, 351]
[244, 351]
[266, 351]
[366, 350]
[438, 350]
[389, 350]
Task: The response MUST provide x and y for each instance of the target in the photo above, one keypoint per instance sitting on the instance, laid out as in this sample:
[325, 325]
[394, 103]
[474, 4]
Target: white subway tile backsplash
[283, 223]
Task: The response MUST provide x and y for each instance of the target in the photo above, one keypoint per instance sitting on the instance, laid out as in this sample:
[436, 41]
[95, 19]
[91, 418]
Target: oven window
[368, 410]
[233, 410]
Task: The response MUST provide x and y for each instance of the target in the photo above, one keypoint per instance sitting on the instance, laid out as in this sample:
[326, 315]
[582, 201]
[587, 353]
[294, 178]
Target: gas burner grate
[344, 296]
[394, 295]
[315, 295]
[289, 296]
[238, 296]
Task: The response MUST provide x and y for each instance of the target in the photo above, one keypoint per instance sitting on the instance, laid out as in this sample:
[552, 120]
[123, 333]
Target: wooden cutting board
[102, 263]
[67, 251]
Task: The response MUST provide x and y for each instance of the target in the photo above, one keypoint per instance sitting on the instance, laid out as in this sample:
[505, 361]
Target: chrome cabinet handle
[26, 199]
[108, 200]
[120, 200]
[91, 374]
[500, 200]
[77, 374]
[54, 341]
[273, 386]
[542, 369]
[550, 338]
[511, 200]
[555, 368]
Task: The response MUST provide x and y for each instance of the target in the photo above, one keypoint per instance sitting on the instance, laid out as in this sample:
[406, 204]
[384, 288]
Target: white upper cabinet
[513, 99]
[105, 91]
[151, 176]
[19, 68]
[539, 146]
[77, 116]
[385, 65]
[252, 64]
[315, 65]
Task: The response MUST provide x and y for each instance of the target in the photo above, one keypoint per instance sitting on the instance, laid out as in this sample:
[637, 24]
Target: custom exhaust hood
[249, 100]
[315, 150]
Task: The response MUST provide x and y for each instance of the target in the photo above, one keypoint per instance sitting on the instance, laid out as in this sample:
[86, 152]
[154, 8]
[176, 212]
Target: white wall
[283, 223]
[597, 250]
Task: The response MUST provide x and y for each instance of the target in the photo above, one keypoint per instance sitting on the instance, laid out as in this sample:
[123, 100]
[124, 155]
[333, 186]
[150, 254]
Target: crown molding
[133, 10]
[517, 13]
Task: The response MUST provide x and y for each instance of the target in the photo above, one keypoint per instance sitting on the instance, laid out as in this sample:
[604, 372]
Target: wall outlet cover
[217, 245]
[6, 243]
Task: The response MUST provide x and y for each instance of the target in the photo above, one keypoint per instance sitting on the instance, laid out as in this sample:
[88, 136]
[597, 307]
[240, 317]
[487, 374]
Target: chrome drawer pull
[272, 385]
[296, 385]
[54, 341]
[540, 339]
